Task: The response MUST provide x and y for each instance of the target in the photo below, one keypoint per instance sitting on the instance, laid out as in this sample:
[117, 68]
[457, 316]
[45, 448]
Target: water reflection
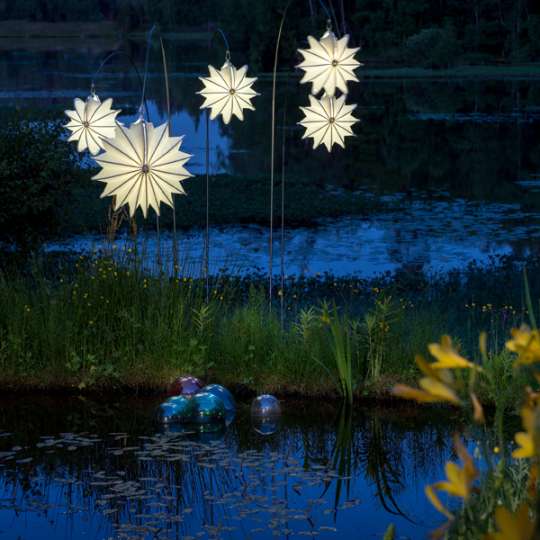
[423, 234]
[475, 141]
[72, 468]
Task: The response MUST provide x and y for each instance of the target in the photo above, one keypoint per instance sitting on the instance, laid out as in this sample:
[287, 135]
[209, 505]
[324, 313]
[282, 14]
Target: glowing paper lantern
[328, 63]
[142, 167]
[91, 122]
[328, 121]
[208, 408]
[178, 409]
[227, 92]
[185, 386]
[265, 406]
[222, 393]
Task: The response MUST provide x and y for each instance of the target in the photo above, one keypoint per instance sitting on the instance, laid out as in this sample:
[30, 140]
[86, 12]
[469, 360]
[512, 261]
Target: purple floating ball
[185, 386]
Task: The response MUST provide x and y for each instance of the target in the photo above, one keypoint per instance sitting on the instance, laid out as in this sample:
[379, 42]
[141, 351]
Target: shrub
[37, 168]
[432, 48]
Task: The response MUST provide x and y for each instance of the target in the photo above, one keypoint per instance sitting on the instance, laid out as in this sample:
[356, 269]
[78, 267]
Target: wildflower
[434, 387]
[459, 482]
[447, 357]
[525, 439]
[512, 525]
[526, 343]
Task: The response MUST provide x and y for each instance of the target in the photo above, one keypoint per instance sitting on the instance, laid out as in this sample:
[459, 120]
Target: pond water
[77, 468]
[460, 158]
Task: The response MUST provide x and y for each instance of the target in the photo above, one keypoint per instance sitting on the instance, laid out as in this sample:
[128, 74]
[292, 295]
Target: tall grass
[97, 324]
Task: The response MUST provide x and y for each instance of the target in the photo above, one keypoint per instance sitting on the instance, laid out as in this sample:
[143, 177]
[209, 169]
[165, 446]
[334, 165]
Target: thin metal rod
[158, 241]
[146, 61]
[206, 255]
[225, 40]
[272, 158]
[334, 18]
[207, 221]
[168, 108]
[282, 244]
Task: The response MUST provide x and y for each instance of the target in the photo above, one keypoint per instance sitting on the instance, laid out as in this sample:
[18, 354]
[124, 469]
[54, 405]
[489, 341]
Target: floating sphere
[265, 405]
[208, 408]
[185, 386]
[221, 392]
[178, 409]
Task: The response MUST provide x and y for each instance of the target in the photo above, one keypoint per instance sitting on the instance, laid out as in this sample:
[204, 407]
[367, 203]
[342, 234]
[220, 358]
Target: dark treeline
[429, 33]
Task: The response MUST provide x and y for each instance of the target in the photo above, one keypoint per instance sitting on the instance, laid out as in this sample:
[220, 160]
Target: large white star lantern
[227, 92]
[142, 167]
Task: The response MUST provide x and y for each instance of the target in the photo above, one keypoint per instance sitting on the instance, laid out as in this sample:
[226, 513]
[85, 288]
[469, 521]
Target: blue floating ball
[221, 392]
[208, 408]
[178, 409]
[265, 406]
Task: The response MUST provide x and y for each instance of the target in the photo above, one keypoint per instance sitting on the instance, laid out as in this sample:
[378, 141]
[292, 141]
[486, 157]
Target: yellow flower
[434, 387]
[512, 525]
[526, 343]
[458, 481]
[525, 439]
[447, 357]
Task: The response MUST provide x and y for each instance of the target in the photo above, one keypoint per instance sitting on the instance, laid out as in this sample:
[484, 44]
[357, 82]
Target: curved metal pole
[272, 150]
[113, 214]
[109, 57]
[168, 103]
[272, 157]
[206, 255]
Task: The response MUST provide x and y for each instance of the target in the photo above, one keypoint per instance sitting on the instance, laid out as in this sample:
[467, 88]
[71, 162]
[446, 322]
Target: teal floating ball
[208, 408]
[178, 409]
[222, 393]
[265, 406]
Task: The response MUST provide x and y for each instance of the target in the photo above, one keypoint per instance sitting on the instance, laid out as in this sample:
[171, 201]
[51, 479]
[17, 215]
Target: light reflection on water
[102, 471]
[429, 235]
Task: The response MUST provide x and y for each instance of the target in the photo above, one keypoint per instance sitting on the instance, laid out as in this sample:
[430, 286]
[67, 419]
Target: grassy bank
[96, 325]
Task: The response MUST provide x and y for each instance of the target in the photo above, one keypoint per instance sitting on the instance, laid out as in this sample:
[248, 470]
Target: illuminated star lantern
[328, 121]
[142, 167]
[329, 63]
[91, 122]
[227, 92]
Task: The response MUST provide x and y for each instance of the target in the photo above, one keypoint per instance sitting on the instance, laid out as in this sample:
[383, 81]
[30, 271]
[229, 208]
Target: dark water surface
[76, 468]
[459, 160]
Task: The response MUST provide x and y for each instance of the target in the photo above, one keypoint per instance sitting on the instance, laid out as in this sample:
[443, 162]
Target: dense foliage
[37, 169]
[432, 32]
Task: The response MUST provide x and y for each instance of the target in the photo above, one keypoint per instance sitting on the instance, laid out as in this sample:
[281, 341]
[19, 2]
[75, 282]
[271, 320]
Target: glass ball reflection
[222, 393]
[208, 408]
[265, 425]
[265, 406]
[185, 386]
[178, 409]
